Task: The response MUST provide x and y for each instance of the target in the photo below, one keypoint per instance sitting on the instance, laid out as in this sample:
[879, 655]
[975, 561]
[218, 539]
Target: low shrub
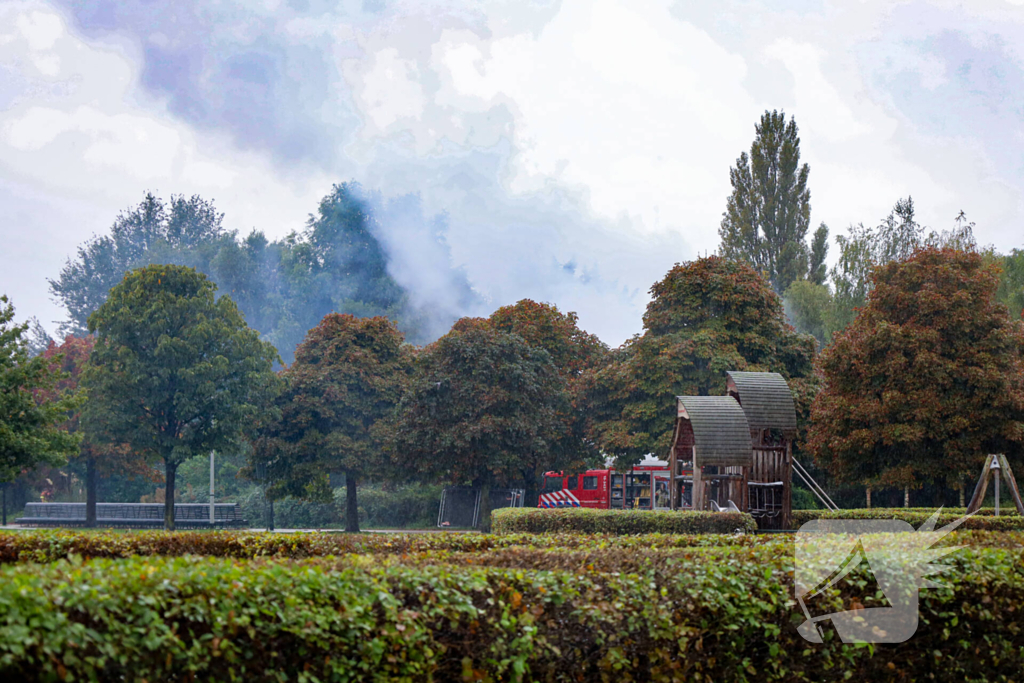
[721, 613]
[983, 520]
[587, 521]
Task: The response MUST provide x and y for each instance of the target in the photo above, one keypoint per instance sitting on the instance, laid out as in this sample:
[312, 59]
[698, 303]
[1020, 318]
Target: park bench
[132, 515]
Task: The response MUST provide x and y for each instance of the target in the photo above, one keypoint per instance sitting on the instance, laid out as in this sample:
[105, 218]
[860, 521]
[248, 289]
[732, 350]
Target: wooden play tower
[735, 451]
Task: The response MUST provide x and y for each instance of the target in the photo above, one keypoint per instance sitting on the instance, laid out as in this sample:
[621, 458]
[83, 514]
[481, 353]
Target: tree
[483, 407]
[283, 288]
[573, 352]
[95, 455]
[768, 214]
[705, 317]
[1011, 283]
[175, 371]
[348, 374]
[926, 380]
[30, 407]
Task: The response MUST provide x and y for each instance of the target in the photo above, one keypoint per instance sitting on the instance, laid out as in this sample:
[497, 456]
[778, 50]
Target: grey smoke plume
[305, 82]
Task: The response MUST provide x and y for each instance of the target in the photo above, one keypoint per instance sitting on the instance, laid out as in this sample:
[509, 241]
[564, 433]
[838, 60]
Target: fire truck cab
[644, 487]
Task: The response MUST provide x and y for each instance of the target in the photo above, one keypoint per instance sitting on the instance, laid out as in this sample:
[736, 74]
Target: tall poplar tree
[767, 216]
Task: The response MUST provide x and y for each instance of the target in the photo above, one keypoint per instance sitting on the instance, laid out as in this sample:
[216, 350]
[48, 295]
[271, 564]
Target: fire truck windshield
[552, 483]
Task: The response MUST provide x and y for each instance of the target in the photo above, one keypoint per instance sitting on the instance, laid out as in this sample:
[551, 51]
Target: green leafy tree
[483, 407]
[573, 351]
[926, 380]
[349, 374]
[175, 371]
[284, 287]
[768, 214]
[31, 407]
[1011, 283]
[705, 317]
[809, 308]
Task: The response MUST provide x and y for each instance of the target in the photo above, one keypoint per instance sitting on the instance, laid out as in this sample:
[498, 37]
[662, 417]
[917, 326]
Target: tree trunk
[485, 509]
[868, 491]
[960, 489]
[351, 504]
[531, 493]
[90, 491]
[169, 472]
[906, 496]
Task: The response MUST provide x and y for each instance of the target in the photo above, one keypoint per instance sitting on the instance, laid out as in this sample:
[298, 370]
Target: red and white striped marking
[559, 499]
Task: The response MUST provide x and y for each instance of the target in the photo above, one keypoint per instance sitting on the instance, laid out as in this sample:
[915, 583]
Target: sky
[577, 149]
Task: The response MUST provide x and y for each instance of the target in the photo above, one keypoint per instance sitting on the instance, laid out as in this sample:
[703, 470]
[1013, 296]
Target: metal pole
[995, 469]
[212, 518]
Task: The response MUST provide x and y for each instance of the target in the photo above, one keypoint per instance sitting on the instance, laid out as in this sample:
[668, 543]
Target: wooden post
[979, 491]
[868, 491]
[960, 489]
[787, 486]
[906, 496]
[1012, 482]
[698, 484]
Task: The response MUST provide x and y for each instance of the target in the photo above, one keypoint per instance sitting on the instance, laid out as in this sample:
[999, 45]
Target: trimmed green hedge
[983, 520]
[716, 613]
[587, 521]
[49, 545]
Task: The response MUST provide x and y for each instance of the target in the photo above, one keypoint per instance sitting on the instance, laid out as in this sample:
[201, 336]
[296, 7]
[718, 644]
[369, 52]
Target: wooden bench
[132, 515]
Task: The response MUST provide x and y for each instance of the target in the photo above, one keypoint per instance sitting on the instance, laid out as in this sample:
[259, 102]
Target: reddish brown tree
[349, 373]
[705, 317]
[98, 457]
[927, 379]
[573, 351]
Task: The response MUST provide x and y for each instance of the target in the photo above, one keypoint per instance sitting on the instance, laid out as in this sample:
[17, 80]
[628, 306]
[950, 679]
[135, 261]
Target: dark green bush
[722, 614]
[583, 520]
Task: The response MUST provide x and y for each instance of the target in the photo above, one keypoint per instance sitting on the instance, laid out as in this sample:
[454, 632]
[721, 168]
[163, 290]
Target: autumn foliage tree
[926, 381]
[706, 317]
[573, 352]
[484, 406]
[31, 406]
[349, 373]
[96, 454]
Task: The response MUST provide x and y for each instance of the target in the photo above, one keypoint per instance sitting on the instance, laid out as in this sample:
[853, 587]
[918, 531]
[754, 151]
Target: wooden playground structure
[735, 452]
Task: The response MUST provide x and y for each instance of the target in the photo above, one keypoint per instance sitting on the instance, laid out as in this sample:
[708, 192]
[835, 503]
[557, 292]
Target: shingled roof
[721, 432]
[766, 399]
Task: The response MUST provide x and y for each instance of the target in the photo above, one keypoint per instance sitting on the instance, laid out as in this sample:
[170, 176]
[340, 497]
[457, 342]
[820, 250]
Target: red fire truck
[644, 487]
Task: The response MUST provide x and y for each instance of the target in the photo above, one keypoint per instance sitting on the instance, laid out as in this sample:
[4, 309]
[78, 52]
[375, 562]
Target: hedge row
[984, 520]
[588, 521]
[51, 545]
[722, 614]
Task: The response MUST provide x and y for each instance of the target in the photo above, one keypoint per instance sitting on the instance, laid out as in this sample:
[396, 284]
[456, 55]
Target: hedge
[984, 520]
[50, 545]
[588, 521]
[718, 613]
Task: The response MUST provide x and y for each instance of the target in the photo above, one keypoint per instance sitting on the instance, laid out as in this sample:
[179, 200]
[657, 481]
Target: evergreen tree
[768, 214]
